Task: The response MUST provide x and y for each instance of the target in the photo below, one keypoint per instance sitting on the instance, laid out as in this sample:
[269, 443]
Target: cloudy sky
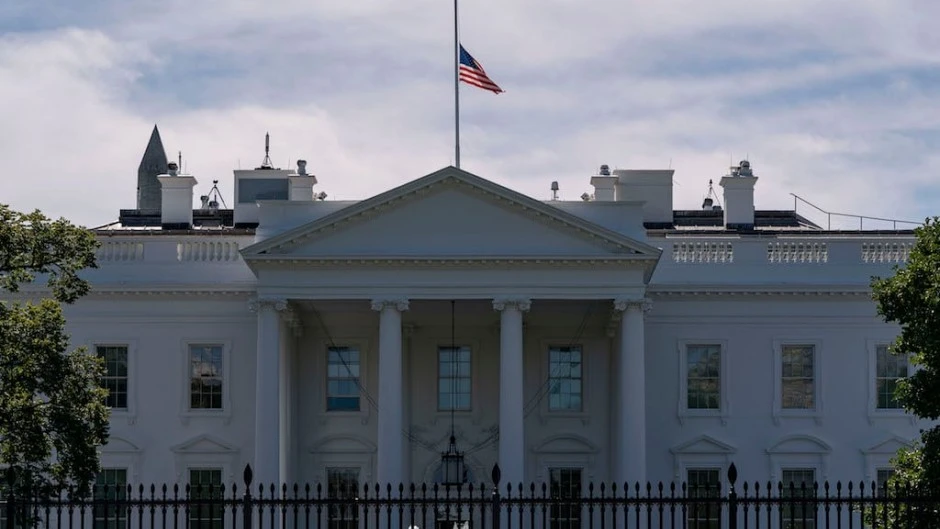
[834, 100]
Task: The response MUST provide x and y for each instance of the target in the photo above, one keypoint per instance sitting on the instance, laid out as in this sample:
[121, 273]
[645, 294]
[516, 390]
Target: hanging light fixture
[452, 464]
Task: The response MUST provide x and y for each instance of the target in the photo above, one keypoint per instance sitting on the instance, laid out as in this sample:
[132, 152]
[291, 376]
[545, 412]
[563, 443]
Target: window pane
[115, 378]
[798, 384]
[799, 484]
[703, 484]
[454, 387]
[565, 378]
[342, 383]
[890, 369]
[206, 490]
[110, 489]
[565, 484]
[703, 376]
[342, 484]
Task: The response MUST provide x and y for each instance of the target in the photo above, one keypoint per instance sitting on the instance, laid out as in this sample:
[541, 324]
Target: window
[342, 491]
[205, 377]
[453, 382]
[890, 369]
[115, 377]
[800, 514]
[253, 189]
[703, 483]
[342, 384]
[205, 489]
[110, 488]
[798, 377]
[703, 371]
[565, 484]
[884, 475]
[564, 364]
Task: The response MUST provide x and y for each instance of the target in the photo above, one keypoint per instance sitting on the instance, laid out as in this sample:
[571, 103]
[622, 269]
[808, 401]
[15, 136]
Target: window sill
[686, 414]
[549, 415]
[780, 414]
[124, 413]
[224, 414]
[890, 414]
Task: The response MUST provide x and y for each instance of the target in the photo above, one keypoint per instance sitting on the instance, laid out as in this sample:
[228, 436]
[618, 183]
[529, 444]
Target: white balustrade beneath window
[797, 252]
[702, 252]
[886, 252]
[117, 251]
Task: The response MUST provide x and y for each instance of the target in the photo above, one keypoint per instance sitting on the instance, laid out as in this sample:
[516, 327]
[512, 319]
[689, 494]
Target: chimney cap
[172, 169]
[604, 170]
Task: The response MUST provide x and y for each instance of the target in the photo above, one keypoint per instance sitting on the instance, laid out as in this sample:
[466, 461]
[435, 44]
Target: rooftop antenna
[267, 164]
[215, 196]
[555, 190]
[711, 201]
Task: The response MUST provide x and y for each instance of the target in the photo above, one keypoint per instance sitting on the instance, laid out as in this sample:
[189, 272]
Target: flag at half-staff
[472, 73]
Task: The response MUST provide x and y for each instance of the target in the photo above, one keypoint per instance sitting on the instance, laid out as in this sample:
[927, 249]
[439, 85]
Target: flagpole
[456, 91]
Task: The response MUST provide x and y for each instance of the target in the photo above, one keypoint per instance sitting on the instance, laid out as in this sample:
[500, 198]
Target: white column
[267, 463]
[631, 424]
[511, 378]
[390, 438]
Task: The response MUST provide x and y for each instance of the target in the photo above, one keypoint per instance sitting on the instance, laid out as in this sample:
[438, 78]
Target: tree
[911, 298]
[53, 416]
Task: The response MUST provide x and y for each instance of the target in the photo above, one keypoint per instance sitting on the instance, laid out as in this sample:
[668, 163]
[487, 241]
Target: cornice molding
[622, 304]
[142, 291]
[730, 291]
[612, 261]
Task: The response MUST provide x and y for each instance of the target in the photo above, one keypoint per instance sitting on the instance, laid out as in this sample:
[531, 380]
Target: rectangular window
[115, 377]
[342, 491]
[798, 383]
[109, 492]
[703, 369]
[884, 474]
[564, 365]
[703, 485]
[342, 382]
[253, 189]
[206, 507]
[565, 484]
[800, 513]
[453, 382]
[891, 369]
[205, 377]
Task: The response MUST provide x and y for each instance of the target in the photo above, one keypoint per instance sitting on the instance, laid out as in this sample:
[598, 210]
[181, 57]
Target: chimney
[301, 184]
[651, 186]
[177, 199]
[739, 197]
[604, 185]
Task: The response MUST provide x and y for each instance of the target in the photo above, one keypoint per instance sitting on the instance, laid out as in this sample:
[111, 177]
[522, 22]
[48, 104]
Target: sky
[835, 101]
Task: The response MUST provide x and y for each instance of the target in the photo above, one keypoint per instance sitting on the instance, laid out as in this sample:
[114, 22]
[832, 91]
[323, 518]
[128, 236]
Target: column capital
[622, 304]
[278, 304]
[399, 304]
[520, 304]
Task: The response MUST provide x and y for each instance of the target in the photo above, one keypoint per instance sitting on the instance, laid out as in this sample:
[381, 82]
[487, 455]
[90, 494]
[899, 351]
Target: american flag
[471, 72]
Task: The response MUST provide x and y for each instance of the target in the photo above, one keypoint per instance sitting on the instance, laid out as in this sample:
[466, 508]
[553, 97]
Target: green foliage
[911, 298]
[52, 412]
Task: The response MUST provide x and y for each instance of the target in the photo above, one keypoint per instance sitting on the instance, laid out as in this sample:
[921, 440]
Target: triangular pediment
[703, 444]
[565, 444]
[204, 444]
[119, 445]
[800, 444]
[888, 446]
[343, 444]
[450, 214]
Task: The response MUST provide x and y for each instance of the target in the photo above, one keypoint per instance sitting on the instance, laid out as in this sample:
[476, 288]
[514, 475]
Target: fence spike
[247, 475]
[496, 474]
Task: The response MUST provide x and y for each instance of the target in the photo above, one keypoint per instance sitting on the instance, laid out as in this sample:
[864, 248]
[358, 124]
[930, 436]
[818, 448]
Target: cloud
[834, 101]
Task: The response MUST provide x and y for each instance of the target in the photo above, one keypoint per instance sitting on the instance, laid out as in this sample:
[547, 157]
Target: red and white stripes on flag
[472, 73]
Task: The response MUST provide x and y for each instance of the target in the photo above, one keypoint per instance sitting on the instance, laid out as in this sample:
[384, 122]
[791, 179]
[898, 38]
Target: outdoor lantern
[452, 464]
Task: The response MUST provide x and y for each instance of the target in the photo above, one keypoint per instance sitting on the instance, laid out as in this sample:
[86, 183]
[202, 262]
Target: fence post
[10, 506]
[246, 500]
[495, 496]
[732, 498]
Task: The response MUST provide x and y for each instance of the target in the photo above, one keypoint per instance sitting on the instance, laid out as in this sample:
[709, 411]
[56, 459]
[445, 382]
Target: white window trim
[544, 356]
[874, 412]
[779, 412]
[790, 457]
[683, 411]
[475, 373]
[347, 451]
[701, 452]
[130, 413]
[206, 452]
[122, 453]
[187, 413]
[881, 454]
[365, 355]
[568, 451]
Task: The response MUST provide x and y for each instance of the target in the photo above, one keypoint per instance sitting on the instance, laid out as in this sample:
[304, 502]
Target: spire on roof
[153, 163]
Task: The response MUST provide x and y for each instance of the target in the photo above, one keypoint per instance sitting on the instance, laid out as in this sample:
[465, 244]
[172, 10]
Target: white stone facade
[379, 276]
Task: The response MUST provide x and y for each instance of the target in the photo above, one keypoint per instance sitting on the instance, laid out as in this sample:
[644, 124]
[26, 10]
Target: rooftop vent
[302, 167]
[605, 170]
[172, 169]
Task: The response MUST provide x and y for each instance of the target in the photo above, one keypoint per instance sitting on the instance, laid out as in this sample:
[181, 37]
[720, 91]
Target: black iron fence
[730, 505]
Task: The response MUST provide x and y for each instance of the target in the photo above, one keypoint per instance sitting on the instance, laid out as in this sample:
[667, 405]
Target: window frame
[874, 412]
[129, 414]
[583, 393]
[342, 522]
[576, 505]
[186, 411]
[724, 402]
[122, 520]
[192, 507]
[437, 378]
[810, 514]
[779, 412]
[364, 346]
[359, 384]
[717, 490]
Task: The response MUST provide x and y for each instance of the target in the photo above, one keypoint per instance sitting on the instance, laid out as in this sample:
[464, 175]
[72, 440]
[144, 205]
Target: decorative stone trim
[520, 304]
[118, 251]
[797, 252]
[207, 251]
[886, 252]
[399, 304]
[278, 304]
[822, 291]
[702, 252]
[453, 261]
[622, 304]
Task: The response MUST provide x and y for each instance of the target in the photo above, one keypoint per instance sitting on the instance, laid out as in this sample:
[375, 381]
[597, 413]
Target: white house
[613, 338]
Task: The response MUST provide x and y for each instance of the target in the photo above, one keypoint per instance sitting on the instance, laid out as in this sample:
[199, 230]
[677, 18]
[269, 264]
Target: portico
[516, 262]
